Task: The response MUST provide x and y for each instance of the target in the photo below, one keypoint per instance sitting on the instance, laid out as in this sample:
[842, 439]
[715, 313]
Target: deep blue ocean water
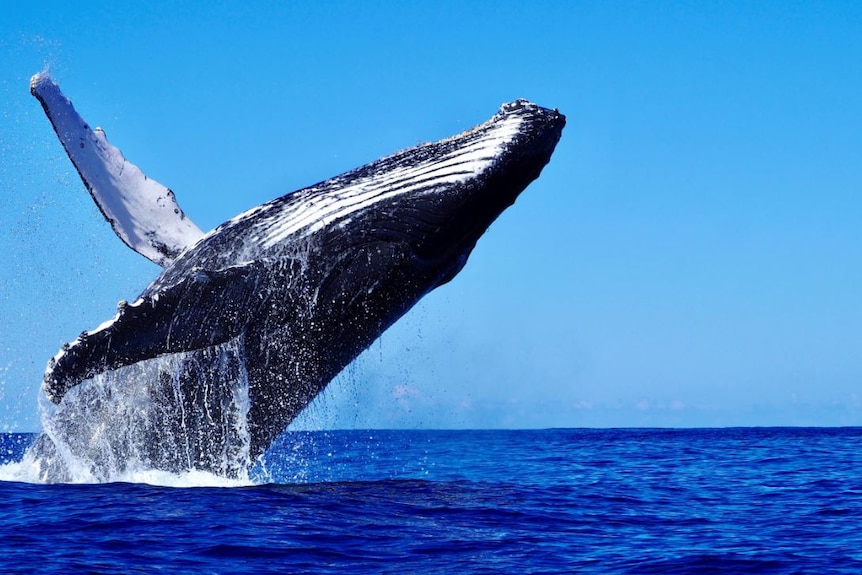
[749, 500]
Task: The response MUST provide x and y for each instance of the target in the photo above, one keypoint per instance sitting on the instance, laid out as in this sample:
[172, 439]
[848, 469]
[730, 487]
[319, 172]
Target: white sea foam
[29, 471]
[129, 424]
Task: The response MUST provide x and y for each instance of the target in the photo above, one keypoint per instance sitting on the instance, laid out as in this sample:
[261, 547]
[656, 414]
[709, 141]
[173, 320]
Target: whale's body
[285, 295]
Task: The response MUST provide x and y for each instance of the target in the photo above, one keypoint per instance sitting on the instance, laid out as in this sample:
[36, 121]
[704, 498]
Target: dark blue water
[551, 501]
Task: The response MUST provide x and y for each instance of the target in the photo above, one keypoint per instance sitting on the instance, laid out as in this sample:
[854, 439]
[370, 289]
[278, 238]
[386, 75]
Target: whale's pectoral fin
[207, 309]
[142, 212]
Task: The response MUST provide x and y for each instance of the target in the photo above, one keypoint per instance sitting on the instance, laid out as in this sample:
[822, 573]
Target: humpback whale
[283, 296]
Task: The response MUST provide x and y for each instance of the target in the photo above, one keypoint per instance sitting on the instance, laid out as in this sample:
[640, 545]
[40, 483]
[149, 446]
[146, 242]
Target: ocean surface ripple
[746, 500]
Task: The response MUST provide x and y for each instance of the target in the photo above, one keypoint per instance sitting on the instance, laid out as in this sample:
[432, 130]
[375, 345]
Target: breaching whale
[285, 295]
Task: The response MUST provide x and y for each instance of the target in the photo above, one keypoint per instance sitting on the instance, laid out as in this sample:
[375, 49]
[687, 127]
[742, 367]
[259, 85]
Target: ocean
[640, 501]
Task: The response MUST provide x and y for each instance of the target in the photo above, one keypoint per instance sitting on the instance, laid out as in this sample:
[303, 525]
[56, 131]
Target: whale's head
[405, 223]
[426, 206]
[476, 176]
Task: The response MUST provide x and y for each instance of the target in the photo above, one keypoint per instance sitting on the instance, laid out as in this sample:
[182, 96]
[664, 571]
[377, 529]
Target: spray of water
[145, 423]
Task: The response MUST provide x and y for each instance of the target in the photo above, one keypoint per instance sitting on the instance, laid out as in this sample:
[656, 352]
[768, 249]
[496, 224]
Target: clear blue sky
[691, 256]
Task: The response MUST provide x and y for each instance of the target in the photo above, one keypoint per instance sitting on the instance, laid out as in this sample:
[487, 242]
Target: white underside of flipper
[142, 212]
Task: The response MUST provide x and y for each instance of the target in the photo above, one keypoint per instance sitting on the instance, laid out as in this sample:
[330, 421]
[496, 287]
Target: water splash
[169, 420]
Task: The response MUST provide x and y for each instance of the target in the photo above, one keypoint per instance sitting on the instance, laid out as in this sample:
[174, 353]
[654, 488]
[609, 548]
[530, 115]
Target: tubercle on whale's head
[522, 110]
[38, 79]
[522, 105]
